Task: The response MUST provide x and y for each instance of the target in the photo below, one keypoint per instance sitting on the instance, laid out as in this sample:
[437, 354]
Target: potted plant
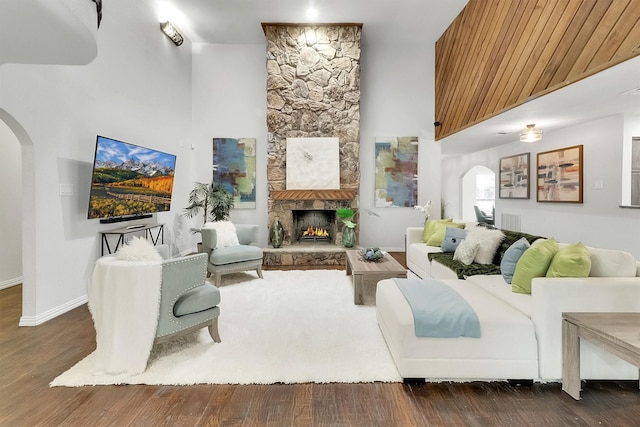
[346, 215]
[212, 200]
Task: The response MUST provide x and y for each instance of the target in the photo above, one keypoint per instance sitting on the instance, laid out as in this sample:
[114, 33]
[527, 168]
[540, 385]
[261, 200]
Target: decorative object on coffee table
[371, 254]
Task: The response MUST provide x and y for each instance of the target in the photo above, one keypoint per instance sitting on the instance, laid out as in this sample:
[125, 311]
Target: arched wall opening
[27, 212]
[478, 188]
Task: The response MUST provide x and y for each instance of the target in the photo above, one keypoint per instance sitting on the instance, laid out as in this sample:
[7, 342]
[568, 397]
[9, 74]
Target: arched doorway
[478, 188]
[12, 132]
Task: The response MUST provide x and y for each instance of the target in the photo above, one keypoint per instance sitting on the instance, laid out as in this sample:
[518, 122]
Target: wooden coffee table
[614, 332]
[367, 274]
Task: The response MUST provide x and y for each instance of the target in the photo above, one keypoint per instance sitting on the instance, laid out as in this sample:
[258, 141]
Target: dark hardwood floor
[30, 357]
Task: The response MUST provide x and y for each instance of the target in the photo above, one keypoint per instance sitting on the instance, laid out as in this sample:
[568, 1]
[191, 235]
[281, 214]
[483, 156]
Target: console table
[153, 232]
[614, 332]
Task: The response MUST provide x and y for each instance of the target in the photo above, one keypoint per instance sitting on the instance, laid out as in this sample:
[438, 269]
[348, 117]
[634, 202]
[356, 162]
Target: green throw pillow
[571, 261]
[534, 262]
[439, 231]
[429, 227]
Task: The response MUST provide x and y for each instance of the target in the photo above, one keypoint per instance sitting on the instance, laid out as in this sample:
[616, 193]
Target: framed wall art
[396, 176]
[313, 163]
[559, 175]
[234, 166]
[514, 177]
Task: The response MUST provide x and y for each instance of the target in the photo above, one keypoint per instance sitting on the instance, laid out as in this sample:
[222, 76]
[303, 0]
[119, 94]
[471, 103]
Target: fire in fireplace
[314, 225]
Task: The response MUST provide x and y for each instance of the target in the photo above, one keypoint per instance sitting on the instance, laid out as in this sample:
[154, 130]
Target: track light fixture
[172, 32]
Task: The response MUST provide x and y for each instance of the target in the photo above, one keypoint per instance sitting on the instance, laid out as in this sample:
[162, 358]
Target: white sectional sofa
[521, 334]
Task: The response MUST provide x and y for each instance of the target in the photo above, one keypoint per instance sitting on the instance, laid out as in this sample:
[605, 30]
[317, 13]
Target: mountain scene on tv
[130, 180]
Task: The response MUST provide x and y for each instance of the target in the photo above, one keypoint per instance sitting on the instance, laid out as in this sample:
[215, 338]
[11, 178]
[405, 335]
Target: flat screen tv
[129, 181]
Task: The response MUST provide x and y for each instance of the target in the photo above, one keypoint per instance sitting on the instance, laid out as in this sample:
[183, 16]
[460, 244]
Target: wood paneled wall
[498, 54]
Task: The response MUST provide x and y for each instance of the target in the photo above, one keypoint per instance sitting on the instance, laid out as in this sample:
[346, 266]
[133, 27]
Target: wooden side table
[367, 274]
[617, 333]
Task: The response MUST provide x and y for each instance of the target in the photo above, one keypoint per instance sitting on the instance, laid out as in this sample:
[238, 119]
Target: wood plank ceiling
[498, 54]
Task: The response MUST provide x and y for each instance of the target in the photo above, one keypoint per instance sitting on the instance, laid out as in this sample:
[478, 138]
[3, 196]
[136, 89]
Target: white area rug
[290, 327]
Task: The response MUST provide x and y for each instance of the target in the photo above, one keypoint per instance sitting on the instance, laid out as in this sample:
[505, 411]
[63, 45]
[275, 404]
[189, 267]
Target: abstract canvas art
[396, 171]
[234, 166]
[313, 163]
[514, 177]
[560, 175]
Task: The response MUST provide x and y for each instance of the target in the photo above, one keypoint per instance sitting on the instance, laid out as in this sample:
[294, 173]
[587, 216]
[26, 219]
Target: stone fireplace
[313, 91]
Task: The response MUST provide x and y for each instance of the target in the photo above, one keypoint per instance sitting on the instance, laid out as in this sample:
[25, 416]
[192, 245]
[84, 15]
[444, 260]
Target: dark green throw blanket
[462, 270]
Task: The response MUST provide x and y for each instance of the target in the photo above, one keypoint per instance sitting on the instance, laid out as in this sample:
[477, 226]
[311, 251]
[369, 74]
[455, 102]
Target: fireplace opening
[314, 225]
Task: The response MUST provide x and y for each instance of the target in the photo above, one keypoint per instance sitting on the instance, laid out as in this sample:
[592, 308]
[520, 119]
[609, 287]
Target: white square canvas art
[313, 164]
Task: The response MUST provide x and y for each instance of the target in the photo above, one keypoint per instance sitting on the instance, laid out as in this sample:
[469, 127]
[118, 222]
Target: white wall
[137, 90]
[229, 100]
[10, 213]
[397, 92]
[598, 221]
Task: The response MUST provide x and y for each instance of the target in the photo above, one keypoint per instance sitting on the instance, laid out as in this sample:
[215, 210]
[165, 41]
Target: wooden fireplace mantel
[313, 194]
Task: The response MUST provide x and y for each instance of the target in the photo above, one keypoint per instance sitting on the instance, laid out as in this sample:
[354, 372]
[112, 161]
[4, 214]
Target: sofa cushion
[495, 285]
[196, 300]
[429, 228]
[225, 233]
[440, 230]
[534, 262]
[611, 263]
[238, 253]
[452, 238]
[511, 257]
[510, 237]
[466, 252]
[570, 261]
[488, 241]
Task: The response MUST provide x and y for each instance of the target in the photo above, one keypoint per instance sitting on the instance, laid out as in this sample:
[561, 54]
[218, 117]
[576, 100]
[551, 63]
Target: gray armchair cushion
[196, 300]
[246, 233]
[232, 254]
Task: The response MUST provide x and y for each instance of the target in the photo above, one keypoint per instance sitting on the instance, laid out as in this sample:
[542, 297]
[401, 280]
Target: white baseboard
[11, 282]
[54, 312]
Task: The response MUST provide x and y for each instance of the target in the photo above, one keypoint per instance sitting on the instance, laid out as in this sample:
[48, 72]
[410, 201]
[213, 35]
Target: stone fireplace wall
[313, 90]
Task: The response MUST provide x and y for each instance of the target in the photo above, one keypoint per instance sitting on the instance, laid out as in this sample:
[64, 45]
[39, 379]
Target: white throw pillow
[488, 241]
[138, 249]
[466, 252]
[225, 233]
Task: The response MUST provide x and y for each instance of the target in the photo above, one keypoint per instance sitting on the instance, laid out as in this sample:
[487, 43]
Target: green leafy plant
[210, 200]
[346, 215]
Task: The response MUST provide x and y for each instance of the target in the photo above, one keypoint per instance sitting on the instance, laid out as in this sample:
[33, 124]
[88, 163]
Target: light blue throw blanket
[438, 310]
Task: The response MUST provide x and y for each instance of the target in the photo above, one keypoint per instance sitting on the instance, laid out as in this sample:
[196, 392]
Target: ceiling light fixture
[172, 32]
[530, 134]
